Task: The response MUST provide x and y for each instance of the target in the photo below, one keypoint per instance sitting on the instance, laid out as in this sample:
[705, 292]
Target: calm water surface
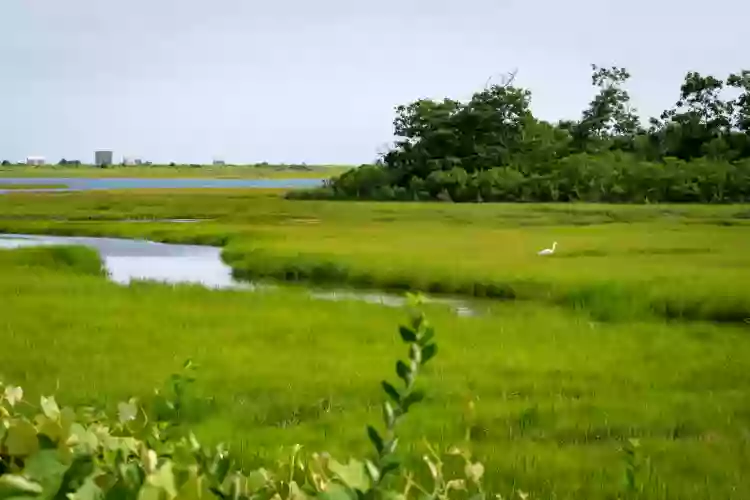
[127, 260]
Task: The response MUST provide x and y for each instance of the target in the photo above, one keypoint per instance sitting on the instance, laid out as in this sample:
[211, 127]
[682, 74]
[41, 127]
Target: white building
[35, 160]
[131, 160]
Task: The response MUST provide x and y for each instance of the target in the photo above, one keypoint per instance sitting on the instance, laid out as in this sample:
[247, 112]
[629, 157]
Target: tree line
[492, 148]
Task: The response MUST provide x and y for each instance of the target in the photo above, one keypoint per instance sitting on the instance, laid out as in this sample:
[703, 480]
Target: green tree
[741, 105]
[699, 118]
[476, 135]
[609, 116]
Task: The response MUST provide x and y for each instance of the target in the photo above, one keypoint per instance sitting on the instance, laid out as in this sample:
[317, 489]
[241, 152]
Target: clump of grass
[74, 259]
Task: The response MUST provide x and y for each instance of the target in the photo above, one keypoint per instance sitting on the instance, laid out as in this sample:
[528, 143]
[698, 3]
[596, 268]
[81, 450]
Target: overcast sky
[316, 81]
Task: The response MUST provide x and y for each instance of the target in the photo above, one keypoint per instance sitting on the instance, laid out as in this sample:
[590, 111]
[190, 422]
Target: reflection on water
[127, 260]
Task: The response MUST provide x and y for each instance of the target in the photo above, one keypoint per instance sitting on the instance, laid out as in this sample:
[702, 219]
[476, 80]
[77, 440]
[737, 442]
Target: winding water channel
[127, 260]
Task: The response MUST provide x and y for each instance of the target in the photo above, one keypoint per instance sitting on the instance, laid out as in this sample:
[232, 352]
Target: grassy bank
[618, 262]
[557, 394]
[6, 186]
[177, 171]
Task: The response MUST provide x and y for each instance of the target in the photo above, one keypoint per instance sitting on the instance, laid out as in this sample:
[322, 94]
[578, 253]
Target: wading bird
[548, 251]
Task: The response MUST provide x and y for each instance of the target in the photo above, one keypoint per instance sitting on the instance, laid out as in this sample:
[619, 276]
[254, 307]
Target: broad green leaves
[47, 469]
[21, 439]
[127, 412]
[354, 474]
[13, 395]
[17, 486]
[50, 408]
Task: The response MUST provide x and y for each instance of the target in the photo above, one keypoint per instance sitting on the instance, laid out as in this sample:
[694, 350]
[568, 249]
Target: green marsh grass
[618, 262]
[557, 395]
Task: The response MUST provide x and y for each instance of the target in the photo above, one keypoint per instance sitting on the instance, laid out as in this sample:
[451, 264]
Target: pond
[128, 260]
[83, 184]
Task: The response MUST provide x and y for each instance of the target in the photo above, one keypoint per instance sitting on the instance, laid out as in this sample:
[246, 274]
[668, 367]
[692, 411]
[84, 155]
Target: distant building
[103, 158]
[35, 160]
[131, 160]
[219, 161]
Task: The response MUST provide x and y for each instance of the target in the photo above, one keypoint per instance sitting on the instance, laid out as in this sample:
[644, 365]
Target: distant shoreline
[13, 187]
[185, 171]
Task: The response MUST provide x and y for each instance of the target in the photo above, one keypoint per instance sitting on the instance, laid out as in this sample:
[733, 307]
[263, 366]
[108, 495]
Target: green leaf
[372, 471]
[403, 372]
[221, 466]
[13, 394]
[88, 491]
[163, 478]
[392, 495]
[474, 471]
[407, 334]
[391, 445]
[50, 428]
[295, 493]
[12, 485]
[82, 438]
[335, 491]
[389, 466]
[425, 338]
[21, 439]
[352, 474]
[127, 412]
[391, 391]
[50, 408]
[411, 399]
[46, 469]
[194, 488]
[428, 352]
[417, 321]
[81, 468]
[375, 438]
[149, 492]
[257, 480]
[389, 416]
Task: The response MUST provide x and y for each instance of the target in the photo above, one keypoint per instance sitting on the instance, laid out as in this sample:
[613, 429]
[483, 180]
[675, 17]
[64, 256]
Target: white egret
[548, 251]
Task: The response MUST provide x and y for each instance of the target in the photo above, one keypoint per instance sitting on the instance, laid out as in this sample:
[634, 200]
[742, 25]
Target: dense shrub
[614, 177]
[492, 148]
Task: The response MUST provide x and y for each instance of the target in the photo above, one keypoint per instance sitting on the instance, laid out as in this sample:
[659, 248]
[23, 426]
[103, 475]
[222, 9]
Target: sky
[294, 81]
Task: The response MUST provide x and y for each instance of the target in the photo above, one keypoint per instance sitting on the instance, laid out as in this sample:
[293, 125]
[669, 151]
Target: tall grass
[557, 395]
